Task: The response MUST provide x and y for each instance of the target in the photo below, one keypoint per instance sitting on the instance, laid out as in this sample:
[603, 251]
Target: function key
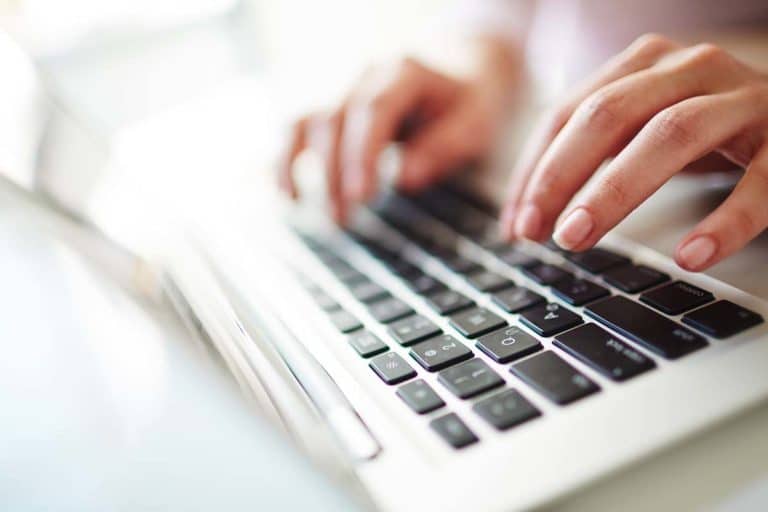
[448, 301]
[677, 297]
[367, 344]
[420, 397]
[476, 322]
[577, 292]
[596, 260]
[411, 329]
[506, 410]
[453, 431]
[469, 378]
[345, 321]
[550, 319]
[392, 368]
[487, 281]
[645, 326]
[508, 344]
[554, 378]
[634, 278]
[514, 300]
[389, 309]
[722, 319]
[604, 352]
[367, 291]
[546, 274]
[441, 352]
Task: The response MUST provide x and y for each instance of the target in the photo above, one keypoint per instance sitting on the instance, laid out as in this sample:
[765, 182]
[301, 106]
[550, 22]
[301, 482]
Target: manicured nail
[528, 223]
[696, 253]
[507, 222]
[576, 227]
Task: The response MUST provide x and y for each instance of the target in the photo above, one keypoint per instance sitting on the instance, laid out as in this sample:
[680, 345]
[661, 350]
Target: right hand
[442, 123]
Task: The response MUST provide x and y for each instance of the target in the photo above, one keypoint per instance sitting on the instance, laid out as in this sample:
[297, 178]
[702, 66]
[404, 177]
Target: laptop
[436, 367]
[478, 374]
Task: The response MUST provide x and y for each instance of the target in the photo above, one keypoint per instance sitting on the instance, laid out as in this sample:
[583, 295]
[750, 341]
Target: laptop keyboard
[643, 317]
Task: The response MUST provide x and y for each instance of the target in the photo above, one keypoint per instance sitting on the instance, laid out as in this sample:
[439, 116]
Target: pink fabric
[568, 38]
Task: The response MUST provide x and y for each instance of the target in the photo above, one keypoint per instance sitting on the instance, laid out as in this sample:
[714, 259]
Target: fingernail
[507, 222]
[412, 172]
[528, 223]
[575, 229]
[696, 253]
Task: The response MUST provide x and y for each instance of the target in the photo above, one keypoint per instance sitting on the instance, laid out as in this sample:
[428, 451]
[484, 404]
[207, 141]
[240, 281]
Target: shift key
[645, 326]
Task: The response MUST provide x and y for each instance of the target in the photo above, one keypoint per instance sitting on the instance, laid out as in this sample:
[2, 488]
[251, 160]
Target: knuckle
[614, 192]
[650, 43]
[745, 222]
[602, 110]
[677, 126]
[706, 54]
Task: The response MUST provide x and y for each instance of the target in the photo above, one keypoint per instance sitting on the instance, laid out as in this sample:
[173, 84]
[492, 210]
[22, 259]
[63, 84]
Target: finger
[442, 147]
[297, 142]
[672, 139]
[643, 53]
[373, 121]
[742, 217]
[597, 129]
[326, 132]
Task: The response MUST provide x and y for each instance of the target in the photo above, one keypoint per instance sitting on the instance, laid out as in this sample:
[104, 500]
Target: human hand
[656, 107]
[441, 121]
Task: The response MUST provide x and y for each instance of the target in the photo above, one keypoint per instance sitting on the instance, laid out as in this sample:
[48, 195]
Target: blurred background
[157, 101]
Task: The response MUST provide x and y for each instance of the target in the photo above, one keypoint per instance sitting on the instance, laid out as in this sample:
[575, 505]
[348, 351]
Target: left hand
[656, 107]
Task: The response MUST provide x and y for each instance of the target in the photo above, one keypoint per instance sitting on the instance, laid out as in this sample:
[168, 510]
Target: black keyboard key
[675, 298]
[449, 301]
[645, 326]
[550, 319]
[486, 281]
[389, 309]
[453, 431]
[420, 397]
[411, 329]
[514, 300]
[515, 258]
[577, 292]
[596, 260]
[634, 278]
[346, 273]
[403, 268]
[554, 378]
[546, 274]
[441, 352]
[392, 368]
[506, 410]
[469, 378]
[722, 319]
[476, 322]
[367, 291]
[424, 284]
[604, 352]
[508, 344]
[457, 263]
[367, 344]
[325, 301]
[345, 321]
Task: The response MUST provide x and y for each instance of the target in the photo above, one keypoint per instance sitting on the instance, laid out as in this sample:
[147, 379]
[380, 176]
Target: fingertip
[529, 222]
[507, 222]
[696, 253]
